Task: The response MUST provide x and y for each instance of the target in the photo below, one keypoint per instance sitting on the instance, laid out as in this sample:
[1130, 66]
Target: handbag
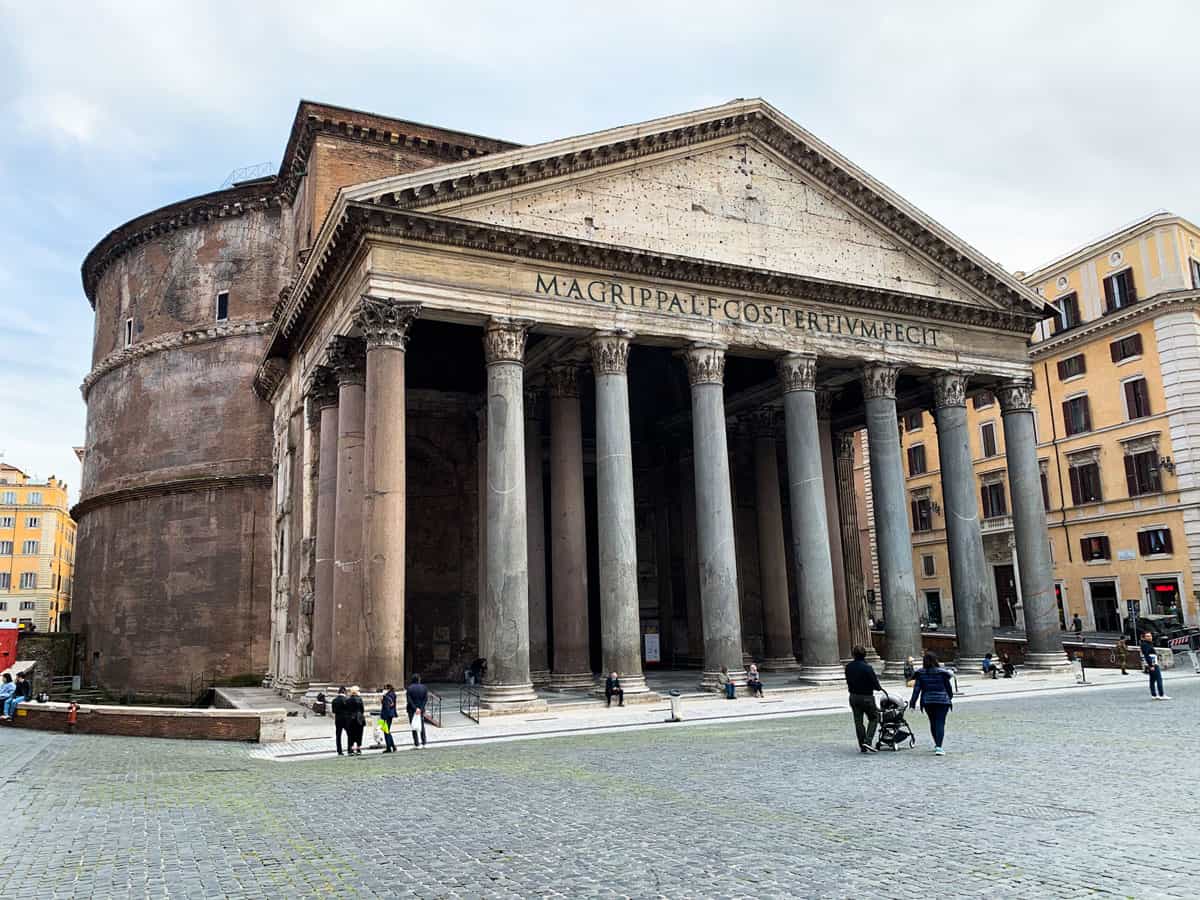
[415, 723]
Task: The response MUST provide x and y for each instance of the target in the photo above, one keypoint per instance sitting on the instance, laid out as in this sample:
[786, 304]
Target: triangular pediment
[738, 185]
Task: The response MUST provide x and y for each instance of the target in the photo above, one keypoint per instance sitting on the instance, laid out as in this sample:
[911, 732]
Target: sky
[1027, 128]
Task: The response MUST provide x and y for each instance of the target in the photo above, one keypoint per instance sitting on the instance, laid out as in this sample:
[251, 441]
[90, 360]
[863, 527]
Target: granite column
[535, 514]
[323, 398]
[833, 520]
[772, 554]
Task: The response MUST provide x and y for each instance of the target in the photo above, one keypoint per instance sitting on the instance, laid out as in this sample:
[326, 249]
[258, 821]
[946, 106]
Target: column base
[971, 665]
[572, 681]
[630, 684]
[894, 668]
[708, 680]
[779, 664]
[500, 698]
[821, 676]
[1047, 660]
[540, 677]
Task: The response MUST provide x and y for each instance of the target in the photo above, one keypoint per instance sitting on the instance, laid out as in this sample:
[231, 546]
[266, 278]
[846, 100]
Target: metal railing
[433, 710]
[468, 702]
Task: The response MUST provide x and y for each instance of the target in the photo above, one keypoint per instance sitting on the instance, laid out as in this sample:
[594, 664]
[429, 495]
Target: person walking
[1122, 654]
[357, 721]
[1077, 627]
[612, 687]
[754, 681]
[387, 713]
[341, 719]
[1153, 669]
[932, 685]
[862, 683]
[416, 699]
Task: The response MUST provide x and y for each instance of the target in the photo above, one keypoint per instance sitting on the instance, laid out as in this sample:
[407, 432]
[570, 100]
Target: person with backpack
[933, 686]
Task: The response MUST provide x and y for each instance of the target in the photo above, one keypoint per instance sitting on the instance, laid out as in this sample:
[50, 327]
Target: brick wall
[130, 722]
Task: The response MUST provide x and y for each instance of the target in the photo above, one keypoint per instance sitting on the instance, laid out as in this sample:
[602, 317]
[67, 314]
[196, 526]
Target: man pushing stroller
[888, 719]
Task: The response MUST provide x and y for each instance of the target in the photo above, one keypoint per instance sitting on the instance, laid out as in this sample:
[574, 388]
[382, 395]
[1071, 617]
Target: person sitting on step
[754, 682]
[612, 686]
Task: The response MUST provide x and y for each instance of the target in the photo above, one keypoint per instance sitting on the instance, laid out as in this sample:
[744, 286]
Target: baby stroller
[893, 729]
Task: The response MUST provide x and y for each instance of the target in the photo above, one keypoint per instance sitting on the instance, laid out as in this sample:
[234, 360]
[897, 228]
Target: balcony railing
[997, 523]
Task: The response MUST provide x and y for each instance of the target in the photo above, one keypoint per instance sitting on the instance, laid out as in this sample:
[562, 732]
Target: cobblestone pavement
[1034, 799]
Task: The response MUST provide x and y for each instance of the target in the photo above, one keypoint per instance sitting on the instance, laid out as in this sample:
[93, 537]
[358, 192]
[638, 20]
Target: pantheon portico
[540, 405]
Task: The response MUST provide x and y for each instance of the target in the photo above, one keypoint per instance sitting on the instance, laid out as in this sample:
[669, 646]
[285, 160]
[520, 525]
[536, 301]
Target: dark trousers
[388, 743]
[863, 706]
[355, 732]
[755, 688]
[338, 728]
[618, 693]
[1156, 682]
[937, 721]
[416, 742]
[730, 691]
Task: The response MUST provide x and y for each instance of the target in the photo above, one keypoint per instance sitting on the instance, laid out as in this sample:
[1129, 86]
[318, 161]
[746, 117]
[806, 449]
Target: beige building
[37, 550]
[1117, 413]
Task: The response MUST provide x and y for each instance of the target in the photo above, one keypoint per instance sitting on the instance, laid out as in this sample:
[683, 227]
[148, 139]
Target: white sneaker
[1163, 697]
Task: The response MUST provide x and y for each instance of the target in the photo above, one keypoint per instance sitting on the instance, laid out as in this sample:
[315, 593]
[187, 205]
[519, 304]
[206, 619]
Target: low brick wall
[945, 647]
[151, 721]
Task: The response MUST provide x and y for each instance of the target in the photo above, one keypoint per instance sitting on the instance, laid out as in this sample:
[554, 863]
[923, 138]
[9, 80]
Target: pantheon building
[423, 397]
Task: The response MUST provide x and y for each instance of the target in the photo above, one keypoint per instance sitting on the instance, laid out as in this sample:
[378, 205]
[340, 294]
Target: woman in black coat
[933, 685]
[387, 712]
[357, 716]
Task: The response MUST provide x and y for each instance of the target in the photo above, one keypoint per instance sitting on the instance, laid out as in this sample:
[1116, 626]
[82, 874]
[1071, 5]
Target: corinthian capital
[385, 322]
[949, 389]
[563, 380]
[1015, 395]
[610, 353]
[797, 372]
[504, 341]
[824, 404]
[879, 380]
[845, 444]
[322, 390]
[705, 364]
[347, 358]
[764, 421]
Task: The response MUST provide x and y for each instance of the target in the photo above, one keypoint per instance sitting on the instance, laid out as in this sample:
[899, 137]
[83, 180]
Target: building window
[35, 498]
[1154, 541]
[33, 521]
[1085, 482]
[6, 548]
[5, 581]
[7, 521]
[1092, 548]
[1195, 267]
[928, 568]
[8, 497]
[129, 332]
[994, 503]
[916, 460]
[222, 306]
[30, 548]
[1141, 473]
[1077, 417]
[1119, 291]
[1068, 311]
[922, 514]
[1137, 398]
[1071, 367]
[27, 604]
[987, 435]
[28, 581]
[914, 421]
[1045, 490]
[1126, 348]
[983, 400]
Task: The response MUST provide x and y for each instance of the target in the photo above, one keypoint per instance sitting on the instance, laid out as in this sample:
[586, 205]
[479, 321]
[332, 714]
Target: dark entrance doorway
[1062, 610]
[1164, 596]
[1006, 595]
[933, 607]
[1104, 605]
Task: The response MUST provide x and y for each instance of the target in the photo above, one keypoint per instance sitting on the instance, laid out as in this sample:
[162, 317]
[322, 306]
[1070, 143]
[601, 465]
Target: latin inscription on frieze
[739, 311]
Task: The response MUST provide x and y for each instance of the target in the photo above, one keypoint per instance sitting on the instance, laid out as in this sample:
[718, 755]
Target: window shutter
[1130, 291]
[1109, 301]
[916, 519]
[1085, 550]
[1131, 399]
[1131, 476]
[1105, 553]
[1166, 541]
[1114, 351]
[1135, 341]
[1066, 413]
[1144, 543]
[1087, 414]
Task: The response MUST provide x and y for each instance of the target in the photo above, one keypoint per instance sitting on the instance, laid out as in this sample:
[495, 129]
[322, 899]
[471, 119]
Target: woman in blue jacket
[933, 686]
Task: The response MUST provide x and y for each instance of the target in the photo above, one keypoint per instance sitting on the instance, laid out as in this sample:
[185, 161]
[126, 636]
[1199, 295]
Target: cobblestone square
[1077, 794]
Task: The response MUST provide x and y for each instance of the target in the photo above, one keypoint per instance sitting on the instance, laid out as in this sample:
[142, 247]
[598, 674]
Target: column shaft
[714, 518]
[810, 528]
[772, 554]
[857, 613]
[568, 535]
[1029, 526]
[892, 535]
[970, 576]
[325, 396]
[385, 324]
[504, 620]
[346, 358]
[833, 520]
[620, 616]
[539, 660]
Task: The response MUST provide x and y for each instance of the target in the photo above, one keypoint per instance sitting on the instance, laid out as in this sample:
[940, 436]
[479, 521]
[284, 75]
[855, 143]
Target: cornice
[1074, 258]
[171, 341]
[1143, 309]
[235, 201]
[178, 486]
[363, 220]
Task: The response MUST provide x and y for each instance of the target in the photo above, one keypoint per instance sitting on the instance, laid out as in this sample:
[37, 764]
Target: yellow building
[1117, 411]
[37, 551]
